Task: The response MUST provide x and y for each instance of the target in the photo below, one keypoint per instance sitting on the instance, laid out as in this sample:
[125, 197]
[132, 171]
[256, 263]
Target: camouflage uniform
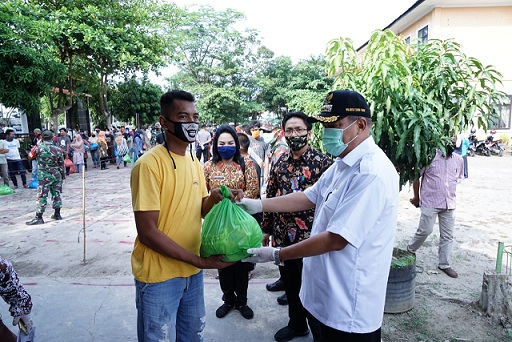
[50, 174]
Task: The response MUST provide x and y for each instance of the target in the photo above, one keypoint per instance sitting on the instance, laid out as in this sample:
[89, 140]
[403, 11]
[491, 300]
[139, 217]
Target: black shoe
[287, 334]
[223, 310]
[282, 300]
[36, 220]
[56, 214]
[278, 285]
[246, 311]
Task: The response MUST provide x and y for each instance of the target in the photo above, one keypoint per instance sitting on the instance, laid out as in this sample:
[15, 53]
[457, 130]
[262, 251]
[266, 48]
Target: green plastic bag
[5, 190]
[229, 230]
[126, 158]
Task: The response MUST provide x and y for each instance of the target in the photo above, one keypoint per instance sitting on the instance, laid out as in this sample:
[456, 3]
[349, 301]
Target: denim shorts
[172, 310]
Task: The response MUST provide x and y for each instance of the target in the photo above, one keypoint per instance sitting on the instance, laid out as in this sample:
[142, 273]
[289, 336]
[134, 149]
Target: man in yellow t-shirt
[169, 198]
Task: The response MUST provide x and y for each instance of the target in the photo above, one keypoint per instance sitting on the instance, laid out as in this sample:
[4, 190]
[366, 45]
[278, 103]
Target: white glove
[262, 254]
[26, 321]
[251, 206]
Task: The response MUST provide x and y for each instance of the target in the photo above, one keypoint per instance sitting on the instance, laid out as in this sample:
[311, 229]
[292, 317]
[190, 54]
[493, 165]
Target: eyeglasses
[298, 131]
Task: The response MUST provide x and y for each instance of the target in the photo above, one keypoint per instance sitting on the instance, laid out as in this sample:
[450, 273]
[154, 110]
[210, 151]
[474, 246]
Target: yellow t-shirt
[177, 194]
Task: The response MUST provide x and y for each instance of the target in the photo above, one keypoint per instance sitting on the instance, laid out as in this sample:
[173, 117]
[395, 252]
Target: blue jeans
[95, 158]
[172, 310]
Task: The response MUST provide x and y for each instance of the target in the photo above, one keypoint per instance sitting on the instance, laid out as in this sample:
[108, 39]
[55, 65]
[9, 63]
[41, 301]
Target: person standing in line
[64, 143]
[121, 149]
[103, 150]
[225, 168]
[259, 146]
[78, 151]
[348, 255]
[14, 294]
[461, 148]
[14, 162]
[93, 148]
[4, 149]
[87, 146]
[434, 194]
[35, 141]
[295, 171]
[169, 198]
[203, 141]
[110, 140]
[50, 176]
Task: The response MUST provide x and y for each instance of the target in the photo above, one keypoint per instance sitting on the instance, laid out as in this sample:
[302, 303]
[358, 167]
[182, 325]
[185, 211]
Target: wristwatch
[277, 260]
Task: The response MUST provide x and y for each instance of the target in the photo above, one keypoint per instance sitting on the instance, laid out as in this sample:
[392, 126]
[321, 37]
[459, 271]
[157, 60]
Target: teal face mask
[332, 139]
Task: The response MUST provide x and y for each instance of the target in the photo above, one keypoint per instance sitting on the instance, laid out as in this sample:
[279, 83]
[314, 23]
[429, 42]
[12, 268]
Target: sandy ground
[445, 308]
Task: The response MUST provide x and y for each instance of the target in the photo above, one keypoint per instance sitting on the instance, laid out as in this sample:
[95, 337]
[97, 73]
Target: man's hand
[251, 206]
[415, 201]
[236, 195]
[214, 261]
[26, 321]
[259, 255]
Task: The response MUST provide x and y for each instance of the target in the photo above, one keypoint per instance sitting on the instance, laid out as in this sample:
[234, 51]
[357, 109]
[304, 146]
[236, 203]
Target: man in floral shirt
[14, 294]
[295, 171]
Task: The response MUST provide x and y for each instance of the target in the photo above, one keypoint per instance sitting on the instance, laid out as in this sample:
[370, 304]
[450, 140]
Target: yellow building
[482, 27]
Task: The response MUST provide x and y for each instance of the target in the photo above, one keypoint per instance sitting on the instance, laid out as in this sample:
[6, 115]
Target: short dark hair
[299, 115]
[246, 128]
[215, 150]
[8, 131]
[244, 141]
[255, 124]
[167, 99]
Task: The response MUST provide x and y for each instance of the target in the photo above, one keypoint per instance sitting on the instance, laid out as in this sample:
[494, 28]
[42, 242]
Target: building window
[408, 40]
[502, 118]
[423, 35]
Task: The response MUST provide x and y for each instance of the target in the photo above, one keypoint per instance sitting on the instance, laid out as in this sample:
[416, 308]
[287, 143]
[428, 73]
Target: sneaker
[287, 334]
[25, 185]
[278, 285]
[282, 300]
[15, 187]
[223, 310]
[246, 311]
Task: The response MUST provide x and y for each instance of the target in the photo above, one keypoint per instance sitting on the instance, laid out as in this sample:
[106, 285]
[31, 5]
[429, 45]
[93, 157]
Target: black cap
[342, 103]
[47, 134]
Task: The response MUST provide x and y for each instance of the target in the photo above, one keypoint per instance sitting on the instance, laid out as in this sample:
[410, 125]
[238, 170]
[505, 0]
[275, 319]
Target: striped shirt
[439, 181]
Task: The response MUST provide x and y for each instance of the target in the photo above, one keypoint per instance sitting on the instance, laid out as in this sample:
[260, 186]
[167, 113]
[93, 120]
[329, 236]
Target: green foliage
[216, 63]
[27, 67]
[134, 97]
[419, 95]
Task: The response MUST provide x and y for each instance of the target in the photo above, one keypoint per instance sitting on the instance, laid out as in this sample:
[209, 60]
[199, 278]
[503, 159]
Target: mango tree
[420, 95]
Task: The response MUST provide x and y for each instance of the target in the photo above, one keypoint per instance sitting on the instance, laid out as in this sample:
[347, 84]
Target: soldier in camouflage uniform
[50, 175]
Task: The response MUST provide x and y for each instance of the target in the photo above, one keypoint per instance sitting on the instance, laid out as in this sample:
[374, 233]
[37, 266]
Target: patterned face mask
[297, 143]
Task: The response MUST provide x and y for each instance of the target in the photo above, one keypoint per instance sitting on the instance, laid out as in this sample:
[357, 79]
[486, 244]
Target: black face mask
[9, 138]
[185, 131]
[297, 143]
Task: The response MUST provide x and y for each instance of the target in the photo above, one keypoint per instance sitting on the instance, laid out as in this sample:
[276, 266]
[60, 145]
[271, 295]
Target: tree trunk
[496, 297]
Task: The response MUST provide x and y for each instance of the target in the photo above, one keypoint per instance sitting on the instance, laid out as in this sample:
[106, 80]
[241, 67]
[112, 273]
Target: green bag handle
[225, 191]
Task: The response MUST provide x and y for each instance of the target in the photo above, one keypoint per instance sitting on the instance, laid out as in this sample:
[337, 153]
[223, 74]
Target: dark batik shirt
[290, 175]
[12, 292]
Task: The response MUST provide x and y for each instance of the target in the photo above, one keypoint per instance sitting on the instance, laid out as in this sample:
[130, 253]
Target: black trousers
[291, 274]
[332, 335]
[234, 281]
[203, 152]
